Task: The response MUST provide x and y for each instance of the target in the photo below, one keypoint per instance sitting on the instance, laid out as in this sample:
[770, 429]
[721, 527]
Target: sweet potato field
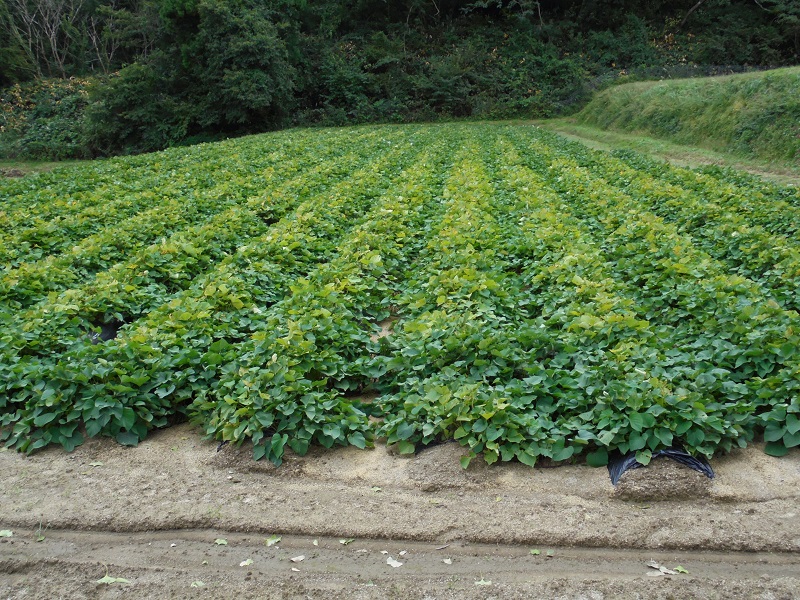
[496, 285]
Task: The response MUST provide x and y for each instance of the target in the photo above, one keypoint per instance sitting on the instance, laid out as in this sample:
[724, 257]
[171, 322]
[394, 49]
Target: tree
[787, 15]
[224, 68]
[47, 31]
[241, 60]
[15, 64]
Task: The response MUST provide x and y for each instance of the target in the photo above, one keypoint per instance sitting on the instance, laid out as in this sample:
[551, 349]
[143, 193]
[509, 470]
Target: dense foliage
[44, 119]
[177, 71]
[540, 299]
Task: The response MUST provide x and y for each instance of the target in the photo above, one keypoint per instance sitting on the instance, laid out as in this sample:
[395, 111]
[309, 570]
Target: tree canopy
[171, 70]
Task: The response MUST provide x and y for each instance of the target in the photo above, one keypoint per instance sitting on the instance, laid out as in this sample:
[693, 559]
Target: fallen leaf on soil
[536, 552]
[345, 541]
[96, 463]
[448, 561]
[272, 540]
[6, 533]
[295, 569]
[197, 584]
[297, 559]
[664, 570]
[221, 542]
[315, 542]
[393, 563]
[550, 554]
[246, 563]
[376, 489]
[483, 582]
[403, 552]
[680, 569]
[109, 580]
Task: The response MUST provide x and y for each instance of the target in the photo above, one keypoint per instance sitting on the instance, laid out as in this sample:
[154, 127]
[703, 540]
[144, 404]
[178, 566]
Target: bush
[44, 120]
[135, 111]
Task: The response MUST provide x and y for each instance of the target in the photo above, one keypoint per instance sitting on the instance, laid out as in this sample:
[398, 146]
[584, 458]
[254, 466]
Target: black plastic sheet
[617, 466]
[108, 331]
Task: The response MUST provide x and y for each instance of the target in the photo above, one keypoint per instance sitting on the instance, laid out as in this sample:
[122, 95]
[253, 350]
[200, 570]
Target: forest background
[88, 78]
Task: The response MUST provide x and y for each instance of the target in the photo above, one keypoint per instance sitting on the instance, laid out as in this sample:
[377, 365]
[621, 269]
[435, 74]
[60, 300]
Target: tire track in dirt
[162, 564]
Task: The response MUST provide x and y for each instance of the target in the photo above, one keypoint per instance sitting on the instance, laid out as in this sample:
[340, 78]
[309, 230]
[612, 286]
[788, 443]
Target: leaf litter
[660, 569]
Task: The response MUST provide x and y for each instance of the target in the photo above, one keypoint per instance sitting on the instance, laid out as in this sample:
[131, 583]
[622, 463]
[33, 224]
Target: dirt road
[151, 515]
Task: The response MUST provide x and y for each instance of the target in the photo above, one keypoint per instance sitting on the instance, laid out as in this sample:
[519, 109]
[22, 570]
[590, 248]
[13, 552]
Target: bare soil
[151, 515]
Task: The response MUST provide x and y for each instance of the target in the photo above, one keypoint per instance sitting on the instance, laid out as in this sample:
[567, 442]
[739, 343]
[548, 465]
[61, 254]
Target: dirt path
[738, 535]
[677, 154]
[167, 564]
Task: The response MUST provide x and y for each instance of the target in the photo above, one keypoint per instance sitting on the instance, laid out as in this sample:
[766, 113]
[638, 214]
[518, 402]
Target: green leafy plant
[544, 302]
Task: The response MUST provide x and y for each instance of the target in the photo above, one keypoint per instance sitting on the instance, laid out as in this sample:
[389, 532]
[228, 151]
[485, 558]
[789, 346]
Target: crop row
[497, 286]
[293, 382]
[29, 283]
[124, 182]
[136, 381]
[742, 346]
[753, 234]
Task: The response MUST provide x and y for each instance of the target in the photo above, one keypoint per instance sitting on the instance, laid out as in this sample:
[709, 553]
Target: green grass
[671, 152]
[18, 168]
[755, 115]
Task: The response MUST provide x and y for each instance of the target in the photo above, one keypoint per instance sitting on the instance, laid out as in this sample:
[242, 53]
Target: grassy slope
[755, 115]
[677, 154]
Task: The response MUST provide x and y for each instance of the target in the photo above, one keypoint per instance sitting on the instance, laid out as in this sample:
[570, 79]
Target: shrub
[44, 119]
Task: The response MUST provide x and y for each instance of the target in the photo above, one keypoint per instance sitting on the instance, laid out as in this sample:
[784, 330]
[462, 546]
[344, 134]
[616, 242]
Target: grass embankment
[676, 154]
[755, 115]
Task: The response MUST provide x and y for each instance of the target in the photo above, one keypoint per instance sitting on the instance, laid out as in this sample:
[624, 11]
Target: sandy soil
[151, 515]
